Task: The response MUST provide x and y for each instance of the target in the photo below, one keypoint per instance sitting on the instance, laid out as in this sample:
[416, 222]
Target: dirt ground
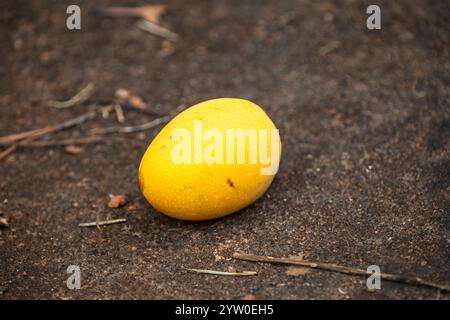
[364, 120]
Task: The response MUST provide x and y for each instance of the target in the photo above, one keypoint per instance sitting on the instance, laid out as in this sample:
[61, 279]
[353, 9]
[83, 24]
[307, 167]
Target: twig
[340, 269]
[33, 134]
[157, 30]
[7, 140]
[101, 223]
[62, 142]
[223, 273]
[119, 113]
[126, 104]
[150, 17]
[74, 121]
[329, 47]
[142, 108]
[81, 96]
[8, 151]
[70, 141]
[131, 129]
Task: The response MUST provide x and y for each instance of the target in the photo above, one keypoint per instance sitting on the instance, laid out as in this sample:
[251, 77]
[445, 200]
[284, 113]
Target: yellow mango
[211, 160]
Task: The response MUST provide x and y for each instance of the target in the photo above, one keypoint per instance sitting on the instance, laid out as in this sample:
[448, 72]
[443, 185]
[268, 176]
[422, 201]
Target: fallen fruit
[211, 160]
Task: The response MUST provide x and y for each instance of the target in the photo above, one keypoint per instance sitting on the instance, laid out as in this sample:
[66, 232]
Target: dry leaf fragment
[3, 222]
[73, 149]
[153, 13]
[122, 93]
[296, 271]
[299, 257]
[117, 201]
[136, 102]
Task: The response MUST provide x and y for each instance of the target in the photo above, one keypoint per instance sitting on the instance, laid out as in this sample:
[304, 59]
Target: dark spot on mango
[230, 183]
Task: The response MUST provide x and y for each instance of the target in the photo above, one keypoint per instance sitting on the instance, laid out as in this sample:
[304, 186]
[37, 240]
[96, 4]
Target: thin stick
[119, 113]
[33, 134]
[71, 141]
[340, 269]
[81, 96]
[74, 121]
[131, 129]
[142, 108]
[7, 140]
[8, 151]
[157, 30]
[126, 104]
[62, 142]
[223, 273]
[18, 136]
[101, 223]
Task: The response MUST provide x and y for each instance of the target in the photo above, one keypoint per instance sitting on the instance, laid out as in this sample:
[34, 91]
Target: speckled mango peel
[181, 180]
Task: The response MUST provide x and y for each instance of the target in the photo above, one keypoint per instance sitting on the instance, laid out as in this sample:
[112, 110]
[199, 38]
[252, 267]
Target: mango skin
[198, 192]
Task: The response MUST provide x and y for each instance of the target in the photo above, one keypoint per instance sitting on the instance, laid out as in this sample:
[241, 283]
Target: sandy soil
[365, 124]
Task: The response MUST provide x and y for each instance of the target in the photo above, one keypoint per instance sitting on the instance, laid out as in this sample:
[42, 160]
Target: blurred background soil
[364, 120]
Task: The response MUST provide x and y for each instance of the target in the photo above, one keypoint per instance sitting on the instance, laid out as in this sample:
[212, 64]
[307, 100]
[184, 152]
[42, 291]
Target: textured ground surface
[365, 123]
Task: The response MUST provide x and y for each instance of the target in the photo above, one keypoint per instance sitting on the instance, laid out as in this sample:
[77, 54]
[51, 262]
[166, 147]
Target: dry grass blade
[340, 269]
[223, 273]
[101, 223]
[80, 97]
